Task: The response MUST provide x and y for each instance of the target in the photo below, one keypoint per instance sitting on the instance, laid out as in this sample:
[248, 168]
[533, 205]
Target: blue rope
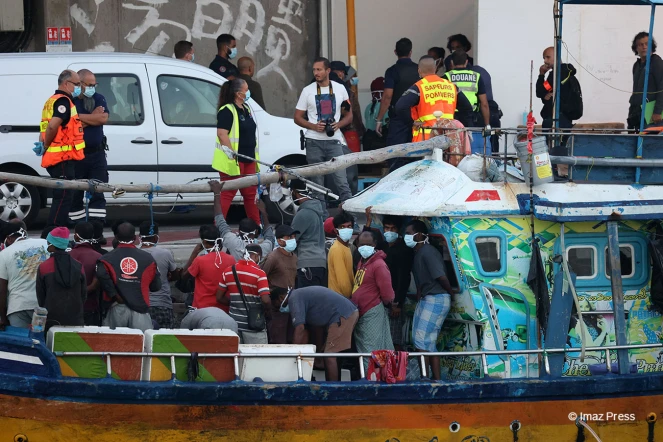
[150, 196]
[259, 187]
[88, 197]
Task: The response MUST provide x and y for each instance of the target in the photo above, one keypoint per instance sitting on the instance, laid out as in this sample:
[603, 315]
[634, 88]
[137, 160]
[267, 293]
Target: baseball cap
[285, 230]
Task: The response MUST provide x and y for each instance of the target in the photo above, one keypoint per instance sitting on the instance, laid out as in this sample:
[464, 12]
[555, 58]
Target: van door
[131, 132]
[185, 112]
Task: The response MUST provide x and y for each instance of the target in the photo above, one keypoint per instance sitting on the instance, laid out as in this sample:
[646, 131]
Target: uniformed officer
[93, 112]
[61, 142]
[227, 47]
[428, 95]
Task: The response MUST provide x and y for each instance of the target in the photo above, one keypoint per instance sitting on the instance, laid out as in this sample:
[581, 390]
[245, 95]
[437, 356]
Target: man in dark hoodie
[311, 255]
[654, 88]
[61, 285]
[372, 293]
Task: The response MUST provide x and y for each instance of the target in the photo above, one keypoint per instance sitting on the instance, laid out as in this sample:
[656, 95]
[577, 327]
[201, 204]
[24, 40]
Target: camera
[329, 130]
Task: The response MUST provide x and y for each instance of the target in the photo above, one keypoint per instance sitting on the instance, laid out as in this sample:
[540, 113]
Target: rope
[150, 196]
[88, 197]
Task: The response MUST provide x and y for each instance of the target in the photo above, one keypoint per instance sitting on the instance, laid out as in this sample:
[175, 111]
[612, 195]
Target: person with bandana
[19, 261]
[433, 292]
[161, 304]
[127, 276]
[235, 243]
[372, 294]
[339, 260]
[61, 143]
[61, 285]
[227, 50]
[93, 112]
[84, 252]
[207, 271]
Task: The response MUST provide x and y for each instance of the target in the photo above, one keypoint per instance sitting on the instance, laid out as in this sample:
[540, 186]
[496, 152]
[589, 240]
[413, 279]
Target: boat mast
[557, 13]
[638, 154]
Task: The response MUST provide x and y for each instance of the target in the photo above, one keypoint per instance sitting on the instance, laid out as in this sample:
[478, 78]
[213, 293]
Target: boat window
[123, 98]
[582, 261]
[627, 256]
[490, 256]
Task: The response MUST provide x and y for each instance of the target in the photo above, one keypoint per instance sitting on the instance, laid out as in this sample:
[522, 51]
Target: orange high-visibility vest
[68, 143]
[435, 94]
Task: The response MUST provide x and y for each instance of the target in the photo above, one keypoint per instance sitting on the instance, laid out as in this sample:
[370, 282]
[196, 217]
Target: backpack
[571, 99]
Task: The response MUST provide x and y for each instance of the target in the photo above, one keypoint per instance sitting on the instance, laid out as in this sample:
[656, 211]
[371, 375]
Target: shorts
[339, 336]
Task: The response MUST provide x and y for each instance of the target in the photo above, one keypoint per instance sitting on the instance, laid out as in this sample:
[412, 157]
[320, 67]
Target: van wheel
[19, 201]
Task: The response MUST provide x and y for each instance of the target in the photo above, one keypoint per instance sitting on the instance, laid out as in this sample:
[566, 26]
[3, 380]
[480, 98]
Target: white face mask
[245, 237]
[148, 243]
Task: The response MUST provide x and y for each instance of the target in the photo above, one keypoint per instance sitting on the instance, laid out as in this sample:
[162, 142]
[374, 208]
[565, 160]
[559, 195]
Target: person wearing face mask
[235, 243]
[339, 261]
[93, 112]
[127, 276]
[244, 286]
[227, 50]
[372, 294]
[247, 69]
[281, 270]
[61, 142]
[433, 291]
[61, 285]
[372, 140]
[19, 261]
[236, 133]
[438, 54]
[183, 50]
[84, 252]
[308, 221]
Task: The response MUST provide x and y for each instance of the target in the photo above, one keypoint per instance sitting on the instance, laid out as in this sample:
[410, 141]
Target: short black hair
[44, 233]
[323, 60]
[460, 38]
[275, 292]
[126, 232]
[248, 225]
[403, 47]
[640, 36]
[393, 220]
[182, 48]
[439, 52]
[116, 224]
[298, 185]
[418, 226]
[459, 57]
[224, 39]
[208, 232]
[255, 248]
[341, 218]
[84, 230]
[145, 226]
[374, 235]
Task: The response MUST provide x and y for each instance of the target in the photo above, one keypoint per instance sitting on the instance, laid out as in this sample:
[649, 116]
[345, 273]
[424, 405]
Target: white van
[161, 128]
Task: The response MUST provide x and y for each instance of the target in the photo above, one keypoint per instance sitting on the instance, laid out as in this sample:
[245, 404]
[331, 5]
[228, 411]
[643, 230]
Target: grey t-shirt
[165, 263]
[428, 265]
[318, 306]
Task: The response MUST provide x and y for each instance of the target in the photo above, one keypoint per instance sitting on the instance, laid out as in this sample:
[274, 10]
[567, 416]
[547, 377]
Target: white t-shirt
[307, 103]
[18, 265]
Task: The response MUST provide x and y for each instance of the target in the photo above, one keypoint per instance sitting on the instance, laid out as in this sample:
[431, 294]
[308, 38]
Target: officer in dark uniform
[227, 47]
[93, 111]
[397, 79]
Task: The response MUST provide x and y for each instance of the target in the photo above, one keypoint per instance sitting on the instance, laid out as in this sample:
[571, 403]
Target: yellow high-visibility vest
[221, 162]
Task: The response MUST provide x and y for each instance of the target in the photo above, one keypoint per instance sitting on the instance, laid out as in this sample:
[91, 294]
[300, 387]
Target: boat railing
[542, 352]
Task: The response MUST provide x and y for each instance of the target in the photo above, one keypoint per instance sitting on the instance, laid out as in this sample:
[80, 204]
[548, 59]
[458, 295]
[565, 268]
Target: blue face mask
[390, 237]
[290, 245]
[285, 309]
[366, 251]
[345, 234]
[193, 57]
[89, 91]
[354, 81]
[233, 53]
[409, 241]
[247, 95]
[77, 91]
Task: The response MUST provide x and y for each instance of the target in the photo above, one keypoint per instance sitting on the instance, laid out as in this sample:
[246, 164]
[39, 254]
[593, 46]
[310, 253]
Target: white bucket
[540, 160]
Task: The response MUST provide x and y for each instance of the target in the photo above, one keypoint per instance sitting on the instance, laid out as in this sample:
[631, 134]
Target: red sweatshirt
[372, 283]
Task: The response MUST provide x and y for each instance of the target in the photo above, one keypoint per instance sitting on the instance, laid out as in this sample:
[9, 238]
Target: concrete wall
[513, 32]
[380, 24]
[280, 35]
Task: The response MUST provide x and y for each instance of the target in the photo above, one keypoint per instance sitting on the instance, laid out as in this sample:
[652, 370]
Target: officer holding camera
[319, 112]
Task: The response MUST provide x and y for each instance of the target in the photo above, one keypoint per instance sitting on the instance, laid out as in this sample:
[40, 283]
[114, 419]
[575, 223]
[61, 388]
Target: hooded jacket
[655, 85]
[372, 283]
[62, 288]
[541, 91]
[311, 239]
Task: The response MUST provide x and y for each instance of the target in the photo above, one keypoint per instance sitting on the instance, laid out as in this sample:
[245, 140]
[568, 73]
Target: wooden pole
[409, 150]
[352, 37]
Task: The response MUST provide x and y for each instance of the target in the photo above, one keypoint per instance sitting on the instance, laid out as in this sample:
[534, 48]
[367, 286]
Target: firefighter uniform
[65, 150]
[435, 94]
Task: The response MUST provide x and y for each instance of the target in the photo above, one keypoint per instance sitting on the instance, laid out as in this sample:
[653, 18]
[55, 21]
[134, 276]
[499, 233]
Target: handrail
[299, 356]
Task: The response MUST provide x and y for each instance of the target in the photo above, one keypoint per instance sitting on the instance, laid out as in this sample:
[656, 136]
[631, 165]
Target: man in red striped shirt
[255, 287]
